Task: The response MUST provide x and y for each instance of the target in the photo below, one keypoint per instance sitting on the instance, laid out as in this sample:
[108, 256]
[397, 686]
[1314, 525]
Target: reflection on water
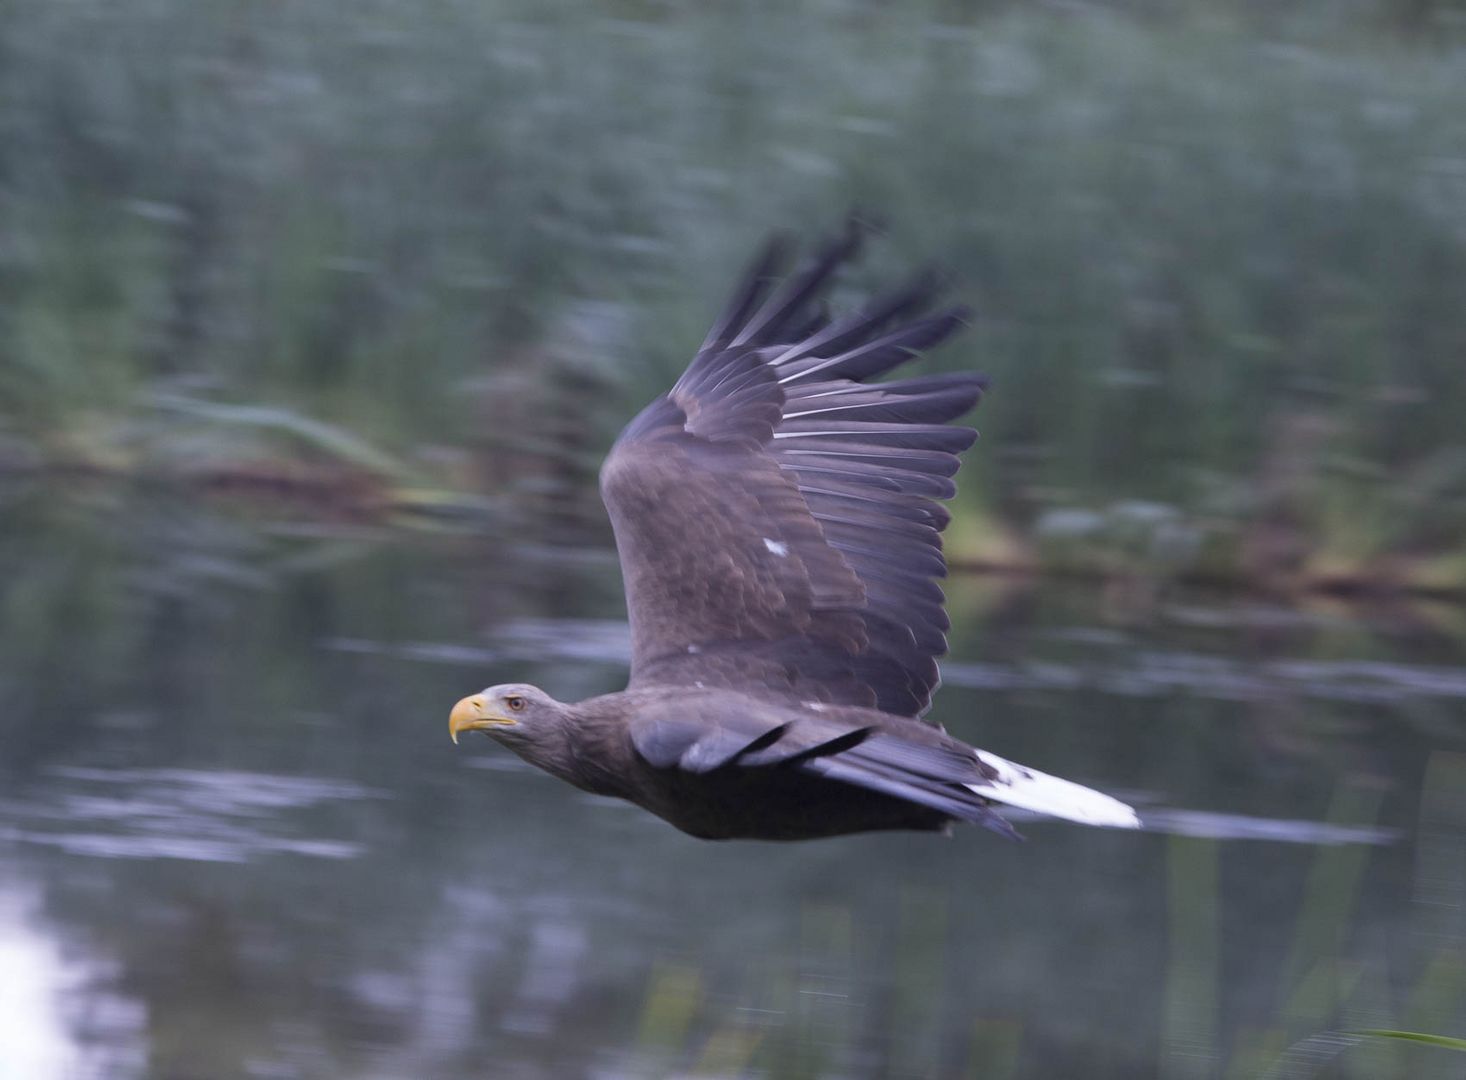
[213, 815]
[1127, 668]
[237, 841]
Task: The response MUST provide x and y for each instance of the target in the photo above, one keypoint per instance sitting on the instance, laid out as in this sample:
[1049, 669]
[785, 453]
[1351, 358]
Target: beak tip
[463, 717]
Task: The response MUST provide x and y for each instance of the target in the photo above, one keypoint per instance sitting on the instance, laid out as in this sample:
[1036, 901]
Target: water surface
[237, 842]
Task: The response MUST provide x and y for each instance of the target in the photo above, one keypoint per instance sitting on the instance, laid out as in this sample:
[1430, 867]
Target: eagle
[778, 518]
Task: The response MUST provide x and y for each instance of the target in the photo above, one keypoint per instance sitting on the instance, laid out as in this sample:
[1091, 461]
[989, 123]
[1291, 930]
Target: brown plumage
[779, 533]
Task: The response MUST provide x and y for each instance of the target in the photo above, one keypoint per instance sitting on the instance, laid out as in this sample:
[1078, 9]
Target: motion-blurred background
[315, 320]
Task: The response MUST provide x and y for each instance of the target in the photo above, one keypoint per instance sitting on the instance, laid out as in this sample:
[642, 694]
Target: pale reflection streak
[197, 815]
[1131, 673]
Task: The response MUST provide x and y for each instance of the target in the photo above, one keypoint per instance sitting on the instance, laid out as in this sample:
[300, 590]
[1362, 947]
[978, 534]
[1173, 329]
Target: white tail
[1029, 789]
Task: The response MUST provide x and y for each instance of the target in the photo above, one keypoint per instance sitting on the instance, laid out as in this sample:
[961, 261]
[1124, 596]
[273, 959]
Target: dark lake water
[235, 840]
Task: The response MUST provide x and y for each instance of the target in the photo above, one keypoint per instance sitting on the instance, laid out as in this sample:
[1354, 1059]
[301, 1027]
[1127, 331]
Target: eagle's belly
[777, 803]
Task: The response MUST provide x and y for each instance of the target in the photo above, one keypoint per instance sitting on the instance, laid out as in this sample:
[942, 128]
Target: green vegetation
[1218, 251]
[1443, 1041]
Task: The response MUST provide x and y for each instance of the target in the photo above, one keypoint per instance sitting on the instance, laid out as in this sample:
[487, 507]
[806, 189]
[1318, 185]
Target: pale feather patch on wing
[1029, 789]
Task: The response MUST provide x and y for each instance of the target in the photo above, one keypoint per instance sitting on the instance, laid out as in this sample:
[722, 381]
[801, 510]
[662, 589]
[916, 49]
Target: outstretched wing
[777, 516]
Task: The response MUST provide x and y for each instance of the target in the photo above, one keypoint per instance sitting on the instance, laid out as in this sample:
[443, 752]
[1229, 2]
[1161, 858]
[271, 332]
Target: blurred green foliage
[1218, 250]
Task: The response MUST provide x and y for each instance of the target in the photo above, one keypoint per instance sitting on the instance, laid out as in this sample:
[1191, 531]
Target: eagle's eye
[514, 703]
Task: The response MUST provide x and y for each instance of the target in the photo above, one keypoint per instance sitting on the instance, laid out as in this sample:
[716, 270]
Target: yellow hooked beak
[474, 713]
